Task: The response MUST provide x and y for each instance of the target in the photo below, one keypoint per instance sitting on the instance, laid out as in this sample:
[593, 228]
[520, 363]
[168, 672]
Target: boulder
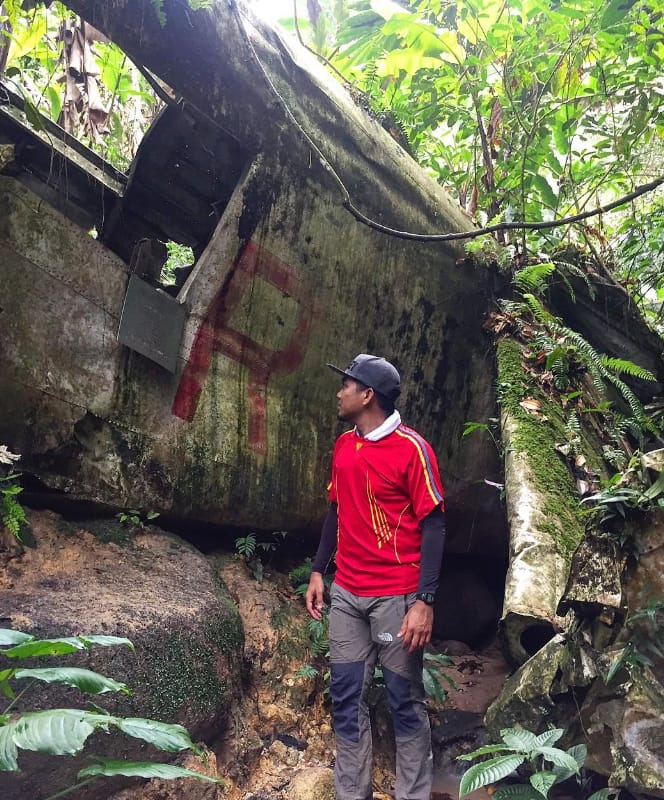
[624, 727]
[103, 577]
[541, 692]
[314, 783]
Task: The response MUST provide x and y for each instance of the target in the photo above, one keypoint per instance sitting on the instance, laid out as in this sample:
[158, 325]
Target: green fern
[573, 269]
[533, 278]
[12, 513]
[601, 368]
[318, 635]
[572, 426]
[621, 366]
[558, 364]
[299, 578]
[538, 310]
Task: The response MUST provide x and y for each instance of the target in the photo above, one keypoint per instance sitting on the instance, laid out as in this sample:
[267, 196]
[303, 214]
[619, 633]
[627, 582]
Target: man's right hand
[314, 595]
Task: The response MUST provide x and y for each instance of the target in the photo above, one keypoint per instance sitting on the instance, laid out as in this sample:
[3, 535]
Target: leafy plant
[547, 765]
[179, 256]
[12, 513]
[64, 731]
[523, 111]
[133, 517]
[299, 577]
[319, 648]
[646, 639]
[248, 547]
[484, 427]
[603, 370]
[433, 674]
[627, 491]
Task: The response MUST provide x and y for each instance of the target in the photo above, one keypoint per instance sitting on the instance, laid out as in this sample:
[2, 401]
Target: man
[386, 522]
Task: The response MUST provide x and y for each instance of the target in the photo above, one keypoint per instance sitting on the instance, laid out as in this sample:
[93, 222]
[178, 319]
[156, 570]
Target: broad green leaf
[604, 794]
[578, 753]
[32, 113]
[161, 734]
[559, 757]
[431, 687]
[615, 12]
[425, 38]
[545, 190]
[482, 751]
[10, 637]
[55, 101]
[106, 641]
[83, 679]
[438, 658]
[47, 647]
[487, 772]
[142, 769]
[407, 60]
[543, 781]
[519, 739]
[561, 138]
[8, 750]
[518, 791]
[475, 20]
[25, 39]
[61, 731]
[654, 491]
[552, 736]
[5, 688]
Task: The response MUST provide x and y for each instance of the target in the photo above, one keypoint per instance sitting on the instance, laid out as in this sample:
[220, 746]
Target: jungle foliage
[529, 111]
[546, 764]
[67, 70]
[65, 731]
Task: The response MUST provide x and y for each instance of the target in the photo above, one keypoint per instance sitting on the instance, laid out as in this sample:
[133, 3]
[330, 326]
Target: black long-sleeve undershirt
[433, 542]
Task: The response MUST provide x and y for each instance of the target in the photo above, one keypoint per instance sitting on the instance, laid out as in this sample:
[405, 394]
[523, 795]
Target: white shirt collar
[384, 429]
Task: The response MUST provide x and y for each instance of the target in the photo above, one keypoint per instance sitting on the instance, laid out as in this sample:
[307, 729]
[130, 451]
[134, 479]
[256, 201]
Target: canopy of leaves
[70, 72]
[528, 110]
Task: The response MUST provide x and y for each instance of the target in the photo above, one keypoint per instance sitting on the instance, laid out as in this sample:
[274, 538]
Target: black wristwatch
[426, 597]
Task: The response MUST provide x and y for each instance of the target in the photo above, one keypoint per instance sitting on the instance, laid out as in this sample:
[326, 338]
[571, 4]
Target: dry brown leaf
[531, 405]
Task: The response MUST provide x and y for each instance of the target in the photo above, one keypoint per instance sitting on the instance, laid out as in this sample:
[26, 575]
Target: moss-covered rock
[543, 507]
[150, 587]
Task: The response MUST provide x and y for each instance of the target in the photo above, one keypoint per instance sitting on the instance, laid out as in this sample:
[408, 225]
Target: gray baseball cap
[373, 371]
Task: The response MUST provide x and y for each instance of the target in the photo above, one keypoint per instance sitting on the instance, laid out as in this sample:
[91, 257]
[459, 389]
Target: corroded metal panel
[152, 323]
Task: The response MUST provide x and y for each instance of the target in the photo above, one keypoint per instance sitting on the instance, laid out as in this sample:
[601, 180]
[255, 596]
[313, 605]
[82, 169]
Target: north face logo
[385, 637]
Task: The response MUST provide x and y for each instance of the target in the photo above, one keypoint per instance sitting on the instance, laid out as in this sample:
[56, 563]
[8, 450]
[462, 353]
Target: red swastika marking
[214, 336]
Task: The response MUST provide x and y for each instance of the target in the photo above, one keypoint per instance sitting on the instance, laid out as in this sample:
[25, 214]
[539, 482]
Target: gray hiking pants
[362, 630]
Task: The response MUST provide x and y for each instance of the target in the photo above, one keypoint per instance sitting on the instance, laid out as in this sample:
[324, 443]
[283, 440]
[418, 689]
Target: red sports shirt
[382, 489]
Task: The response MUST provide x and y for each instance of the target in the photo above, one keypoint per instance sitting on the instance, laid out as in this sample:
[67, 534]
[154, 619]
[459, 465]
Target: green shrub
[64, 731]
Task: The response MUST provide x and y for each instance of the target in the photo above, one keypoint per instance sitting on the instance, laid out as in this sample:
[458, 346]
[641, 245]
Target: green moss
[194, 482]
[111, 531]
[536, 439]
[281, 616]
[182, 671]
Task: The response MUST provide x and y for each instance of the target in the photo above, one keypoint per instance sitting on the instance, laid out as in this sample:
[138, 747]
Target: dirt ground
[284, 725]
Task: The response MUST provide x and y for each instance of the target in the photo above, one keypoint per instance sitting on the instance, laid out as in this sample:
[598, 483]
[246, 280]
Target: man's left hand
[416, 627]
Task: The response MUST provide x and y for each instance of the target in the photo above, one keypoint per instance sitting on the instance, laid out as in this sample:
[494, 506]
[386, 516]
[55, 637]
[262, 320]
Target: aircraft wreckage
[212, 403]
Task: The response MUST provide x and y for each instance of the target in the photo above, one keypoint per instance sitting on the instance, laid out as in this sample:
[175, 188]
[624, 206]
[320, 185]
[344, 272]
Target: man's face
[353, 398]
